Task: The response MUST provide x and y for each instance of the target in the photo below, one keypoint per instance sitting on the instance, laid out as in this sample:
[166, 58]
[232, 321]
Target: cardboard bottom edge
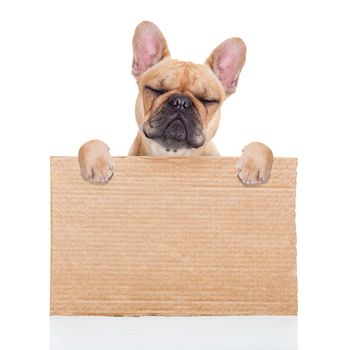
[290, 310]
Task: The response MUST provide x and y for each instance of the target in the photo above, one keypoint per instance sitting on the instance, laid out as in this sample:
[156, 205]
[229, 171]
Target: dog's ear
[227, 61]
[149, 46]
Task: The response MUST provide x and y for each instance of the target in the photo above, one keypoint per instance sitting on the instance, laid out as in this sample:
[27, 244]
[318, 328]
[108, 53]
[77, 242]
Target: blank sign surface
[173, 236]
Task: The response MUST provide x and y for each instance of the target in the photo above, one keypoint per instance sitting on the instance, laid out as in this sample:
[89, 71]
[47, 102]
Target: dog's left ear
[227, 61]
[149, 47]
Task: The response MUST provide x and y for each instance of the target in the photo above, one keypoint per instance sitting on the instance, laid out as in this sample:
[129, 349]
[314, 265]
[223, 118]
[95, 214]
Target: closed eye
[208, 101]
[156, 91]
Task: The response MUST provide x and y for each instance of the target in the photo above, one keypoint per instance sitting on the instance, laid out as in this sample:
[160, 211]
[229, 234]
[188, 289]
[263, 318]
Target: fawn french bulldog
[178, 107]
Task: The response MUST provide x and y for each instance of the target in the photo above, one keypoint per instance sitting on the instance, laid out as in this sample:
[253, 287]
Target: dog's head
[178, 106]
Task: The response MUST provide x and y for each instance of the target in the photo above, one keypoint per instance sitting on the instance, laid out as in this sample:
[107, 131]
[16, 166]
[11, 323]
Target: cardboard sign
[173, 236]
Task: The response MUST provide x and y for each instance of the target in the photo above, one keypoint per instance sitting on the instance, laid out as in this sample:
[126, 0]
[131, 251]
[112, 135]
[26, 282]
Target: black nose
[180, 101]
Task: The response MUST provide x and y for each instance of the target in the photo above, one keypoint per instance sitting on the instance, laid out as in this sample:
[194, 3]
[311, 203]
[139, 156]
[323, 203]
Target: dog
[178, 108]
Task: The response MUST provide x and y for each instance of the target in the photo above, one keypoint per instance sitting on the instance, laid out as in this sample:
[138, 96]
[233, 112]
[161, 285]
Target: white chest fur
[158, 150]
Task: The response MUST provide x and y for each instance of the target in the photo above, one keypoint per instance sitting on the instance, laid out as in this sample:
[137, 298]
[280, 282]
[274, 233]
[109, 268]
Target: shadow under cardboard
[173, 333]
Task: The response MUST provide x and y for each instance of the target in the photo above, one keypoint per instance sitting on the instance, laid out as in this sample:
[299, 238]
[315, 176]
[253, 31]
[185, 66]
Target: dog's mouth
[175, 129]
[175, 134]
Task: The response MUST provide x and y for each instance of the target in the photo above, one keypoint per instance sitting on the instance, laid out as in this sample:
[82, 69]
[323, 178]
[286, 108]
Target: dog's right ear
[149, 46]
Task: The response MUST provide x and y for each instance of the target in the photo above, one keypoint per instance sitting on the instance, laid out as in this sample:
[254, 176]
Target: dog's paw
[254, 166]
[96, 163]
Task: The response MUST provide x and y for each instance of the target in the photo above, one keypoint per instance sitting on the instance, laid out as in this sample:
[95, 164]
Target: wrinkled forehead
[178, 75]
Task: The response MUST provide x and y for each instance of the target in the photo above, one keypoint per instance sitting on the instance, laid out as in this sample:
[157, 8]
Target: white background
[65, 78]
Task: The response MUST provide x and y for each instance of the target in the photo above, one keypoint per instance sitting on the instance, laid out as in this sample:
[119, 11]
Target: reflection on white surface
[173, 333]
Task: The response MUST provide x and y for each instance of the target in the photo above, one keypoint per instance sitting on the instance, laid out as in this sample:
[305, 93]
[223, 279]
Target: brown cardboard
[173, 236]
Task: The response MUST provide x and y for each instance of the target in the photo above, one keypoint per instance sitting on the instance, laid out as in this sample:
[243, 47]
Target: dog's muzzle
[176, 124]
